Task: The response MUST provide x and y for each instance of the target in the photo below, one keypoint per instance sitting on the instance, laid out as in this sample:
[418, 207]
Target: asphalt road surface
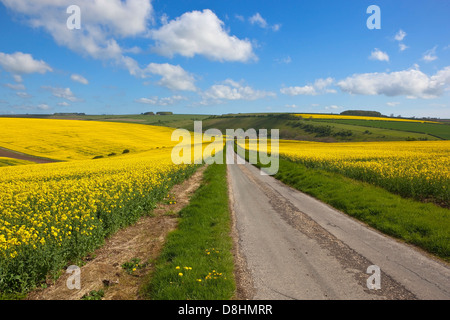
[296, 247]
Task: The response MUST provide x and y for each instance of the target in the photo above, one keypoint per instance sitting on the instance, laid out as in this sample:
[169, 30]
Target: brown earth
[143, 240]
[22, 156]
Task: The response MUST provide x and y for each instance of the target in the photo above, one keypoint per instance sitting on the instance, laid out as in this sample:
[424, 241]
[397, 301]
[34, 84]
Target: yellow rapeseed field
[51, 213]
[79, 140]
[418, 169]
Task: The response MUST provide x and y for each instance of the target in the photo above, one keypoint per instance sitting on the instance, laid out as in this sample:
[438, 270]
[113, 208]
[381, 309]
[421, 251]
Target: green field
[437, 130]
[12, 162]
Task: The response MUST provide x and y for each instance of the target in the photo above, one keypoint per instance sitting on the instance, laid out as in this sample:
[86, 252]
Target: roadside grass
[425, 225]
[196, 262]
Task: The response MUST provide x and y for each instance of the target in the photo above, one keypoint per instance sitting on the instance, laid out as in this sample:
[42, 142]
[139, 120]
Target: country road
[296, 247]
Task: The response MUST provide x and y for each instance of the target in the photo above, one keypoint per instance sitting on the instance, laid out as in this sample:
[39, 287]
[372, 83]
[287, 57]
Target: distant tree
[363, 113]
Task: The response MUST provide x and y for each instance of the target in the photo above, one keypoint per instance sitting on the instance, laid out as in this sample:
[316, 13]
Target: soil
[143, 240]
[22, 156]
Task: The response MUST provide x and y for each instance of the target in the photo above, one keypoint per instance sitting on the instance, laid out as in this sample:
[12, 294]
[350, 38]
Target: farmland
[415, 169]
[438, 130]
[79, 140]
[399, 188]
[56, 212]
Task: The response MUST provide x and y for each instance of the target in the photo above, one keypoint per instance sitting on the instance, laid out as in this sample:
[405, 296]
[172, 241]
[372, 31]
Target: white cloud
[172, 77]
[232, 90]
[23, 95]
[319, 87]
[292, 106]
[285, 60]
[392, 103]
[102, 22]
[200, 33]
[295, 91]
[379, 55]
[43, 106]
[63, 104]
[64, 93]
[332, 107]
[402, 47]
[261, 22]
[156, 101]
[276, 27]
[239, 17]
[19, 63]
[430, 55]
[411, 83]
[400, 35]
[17, 78]
[79, 78]
[17, 86]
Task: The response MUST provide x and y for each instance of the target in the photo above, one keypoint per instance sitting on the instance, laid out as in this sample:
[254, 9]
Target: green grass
[288, 129]
[200, 248]
[438, 130]
[425, 225]
[12, 162]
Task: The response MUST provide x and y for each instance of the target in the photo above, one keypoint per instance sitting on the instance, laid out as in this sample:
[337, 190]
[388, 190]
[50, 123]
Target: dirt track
[21, 156]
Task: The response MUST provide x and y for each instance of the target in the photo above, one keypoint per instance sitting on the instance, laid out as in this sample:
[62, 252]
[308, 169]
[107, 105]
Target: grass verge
[425, 225]
[196, 262]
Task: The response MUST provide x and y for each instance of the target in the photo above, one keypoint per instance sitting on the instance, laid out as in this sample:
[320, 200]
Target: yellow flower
[180, 274]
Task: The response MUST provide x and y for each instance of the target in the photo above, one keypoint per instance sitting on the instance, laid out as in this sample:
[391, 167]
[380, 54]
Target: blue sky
[222, 56]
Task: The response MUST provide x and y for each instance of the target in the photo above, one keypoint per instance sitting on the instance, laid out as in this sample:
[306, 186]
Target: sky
[225, 56]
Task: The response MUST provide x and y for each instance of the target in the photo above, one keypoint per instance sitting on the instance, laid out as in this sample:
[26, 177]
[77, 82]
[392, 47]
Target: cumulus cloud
[172, 77]
[79, 78]
[200, 33]
[19, 63]
[412, 83]
[64, 93]
[379, 55]
[102, 22]
[320, 86]
[232, 90]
